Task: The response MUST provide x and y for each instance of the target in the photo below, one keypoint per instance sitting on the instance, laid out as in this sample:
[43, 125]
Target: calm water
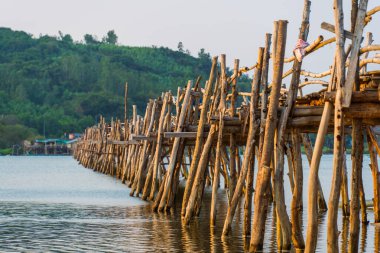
[53, 204]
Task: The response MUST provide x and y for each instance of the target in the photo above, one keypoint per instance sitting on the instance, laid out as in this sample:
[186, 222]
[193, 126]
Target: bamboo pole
[263, 177]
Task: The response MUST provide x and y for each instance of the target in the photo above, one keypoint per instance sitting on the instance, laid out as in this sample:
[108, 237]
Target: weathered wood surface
[199, 135]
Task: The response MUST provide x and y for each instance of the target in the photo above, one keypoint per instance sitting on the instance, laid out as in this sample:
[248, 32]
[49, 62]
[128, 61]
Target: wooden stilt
[157, 153]
[264, 172]
[216, 170]
[253, 126]
[176, 145]
[199, 138]
[332, 229]
[357, 158]
[296, 205]
[372, 143]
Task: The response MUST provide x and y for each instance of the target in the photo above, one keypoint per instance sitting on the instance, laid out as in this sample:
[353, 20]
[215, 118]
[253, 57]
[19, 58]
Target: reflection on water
[51, 203]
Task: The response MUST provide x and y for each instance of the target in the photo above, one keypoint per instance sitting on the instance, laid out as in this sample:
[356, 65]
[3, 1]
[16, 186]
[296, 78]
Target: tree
[203, 55]
[65, 37]
[111, 38]
[180, 47]
[90, 39]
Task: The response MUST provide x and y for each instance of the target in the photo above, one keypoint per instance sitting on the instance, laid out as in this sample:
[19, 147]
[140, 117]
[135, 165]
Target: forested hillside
[65, 85]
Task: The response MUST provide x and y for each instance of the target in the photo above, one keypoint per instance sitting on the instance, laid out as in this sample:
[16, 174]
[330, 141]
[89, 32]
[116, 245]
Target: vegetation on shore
[52, 85]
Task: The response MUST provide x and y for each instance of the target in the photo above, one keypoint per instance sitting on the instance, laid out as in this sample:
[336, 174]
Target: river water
[54, 204]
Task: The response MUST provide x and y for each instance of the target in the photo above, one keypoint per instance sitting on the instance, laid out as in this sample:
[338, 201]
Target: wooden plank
[180, 134]
[354, 57]
[357, 96]
[331, 28]
[135, 137]
[130, 142]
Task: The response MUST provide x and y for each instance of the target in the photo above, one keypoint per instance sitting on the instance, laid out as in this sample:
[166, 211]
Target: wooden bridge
[199, 135]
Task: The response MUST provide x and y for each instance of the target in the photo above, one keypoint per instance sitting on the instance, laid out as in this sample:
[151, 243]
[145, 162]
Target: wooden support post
[218, 159]
[344, 190]
[352, 67]
[199, 138]
[233, 147]
[312, 227]
[232, 166]
[290, 158]
[194, 197]
[234, 89]
[248, 197]
[296, 205]
[125, 102]
[283, 217]
[357, 158]
[264, 91]
[263, 177]
[176, 144]
[372, 143]
[250, 145]
[157, 153]
[332, 213]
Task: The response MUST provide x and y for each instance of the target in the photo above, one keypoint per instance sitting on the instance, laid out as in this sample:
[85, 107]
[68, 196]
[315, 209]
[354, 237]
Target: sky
[236, 28]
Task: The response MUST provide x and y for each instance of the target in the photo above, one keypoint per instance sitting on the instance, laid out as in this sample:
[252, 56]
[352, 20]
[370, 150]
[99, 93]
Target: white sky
[236, 28]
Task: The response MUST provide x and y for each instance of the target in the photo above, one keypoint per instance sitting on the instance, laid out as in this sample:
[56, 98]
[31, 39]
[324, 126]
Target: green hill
[66, 85]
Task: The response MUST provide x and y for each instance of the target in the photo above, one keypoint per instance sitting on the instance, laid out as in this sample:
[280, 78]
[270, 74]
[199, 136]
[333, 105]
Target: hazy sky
[236, 28]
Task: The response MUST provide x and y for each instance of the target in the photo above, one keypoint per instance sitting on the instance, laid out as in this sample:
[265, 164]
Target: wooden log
[232, 165]
[344, 190]
[264, 91]
[357, 158]
[332, 212]
[143, 153]
[173, 192]
[352, 68]
[175, 147]
[157, 153]
[290, 158]
[194, 197]
[263, 177]
[216, 171]
[234, 89]
[125, 102]
[199, 139]
[296, 204]
[365, 96]
[253, 125]
[372, 143]
[283, 217]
